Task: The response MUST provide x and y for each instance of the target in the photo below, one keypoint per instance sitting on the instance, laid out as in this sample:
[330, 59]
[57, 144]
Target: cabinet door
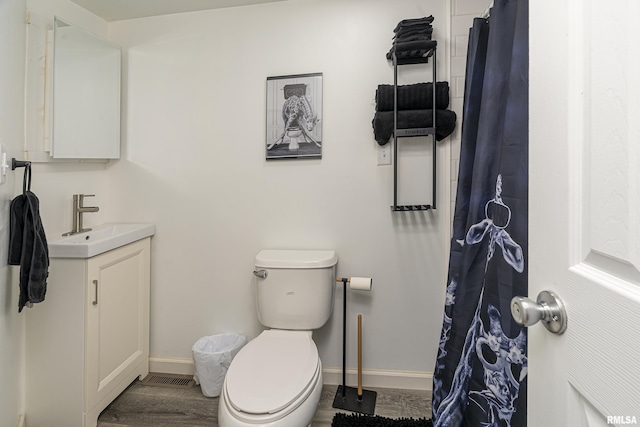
[117, 313]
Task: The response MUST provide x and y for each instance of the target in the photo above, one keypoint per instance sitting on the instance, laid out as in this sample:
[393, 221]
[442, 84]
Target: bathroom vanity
[89, 339]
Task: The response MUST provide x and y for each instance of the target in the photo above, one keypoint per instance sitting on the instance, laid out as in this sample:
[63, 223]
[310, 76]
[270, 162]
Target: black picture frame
[294, 116]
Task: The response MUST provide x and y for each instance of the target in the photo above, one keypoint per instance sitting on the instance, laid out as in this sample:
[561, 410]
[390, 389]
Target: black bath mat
[357, 420]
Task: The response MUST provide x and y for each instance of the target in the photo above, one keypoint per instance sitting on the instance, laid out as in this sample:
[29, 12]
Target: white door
[584, 218]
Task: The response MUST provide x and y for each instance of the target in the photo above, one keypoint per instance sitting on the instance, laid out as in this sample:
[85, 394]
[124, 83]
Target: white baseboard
[170, 365]
[406, 380]
[22, 421]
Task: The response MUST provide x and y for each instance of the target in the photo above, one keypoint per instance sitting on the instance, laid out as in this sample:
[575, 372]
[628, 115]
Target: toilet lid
[271, 371]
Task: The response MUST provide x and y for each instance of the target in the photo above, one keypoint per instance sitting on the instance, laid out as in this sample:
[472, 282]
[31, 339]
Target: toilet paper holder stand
[351, 398]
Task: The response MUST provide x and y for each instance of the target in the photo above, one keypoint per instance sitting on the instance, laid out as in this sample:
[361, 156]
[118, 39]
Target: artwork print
[294, 116]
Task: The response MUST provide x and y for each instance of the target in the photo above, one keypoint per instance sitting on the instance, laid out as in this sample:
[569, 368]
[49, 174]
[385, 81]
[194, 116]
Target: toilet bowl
[275, 380]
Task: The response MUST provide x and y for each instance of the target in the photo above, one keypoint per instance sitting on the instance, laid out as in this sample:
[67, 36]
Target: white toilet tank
[297, 292]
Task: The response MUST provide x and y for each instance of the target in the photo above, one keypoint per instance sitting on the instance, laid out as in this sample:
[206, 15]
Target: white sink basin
[101, 239]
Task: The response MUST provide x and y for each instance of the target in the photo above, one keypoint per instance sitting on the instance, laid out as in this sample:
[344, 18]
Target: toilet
[276, 379]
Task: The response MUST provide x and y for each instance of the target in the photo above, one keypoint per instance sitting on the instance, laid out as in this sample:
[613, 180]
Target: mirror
[86, 95]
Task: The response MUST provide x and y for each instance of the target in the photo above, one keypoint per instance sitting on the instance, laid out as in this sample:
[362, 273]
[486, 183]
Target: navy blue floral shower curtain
[481, 369]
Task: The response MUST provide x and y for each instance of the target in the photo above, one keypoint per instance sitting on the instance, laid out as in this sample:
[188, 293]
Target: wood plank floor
[142, 405]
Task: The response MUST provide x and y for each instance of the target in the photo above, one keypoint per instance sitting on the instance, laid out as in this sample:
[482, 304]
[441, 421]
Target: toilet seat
[272, 375]
[309, 398]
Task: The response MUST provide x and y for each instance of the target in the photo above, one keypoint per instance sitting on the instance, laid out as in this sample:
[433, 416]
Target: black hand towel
[412, 49]
[408, 23]
[28, 248]
[16, 225]
[409, 119]
[419, 33]
[417, 96]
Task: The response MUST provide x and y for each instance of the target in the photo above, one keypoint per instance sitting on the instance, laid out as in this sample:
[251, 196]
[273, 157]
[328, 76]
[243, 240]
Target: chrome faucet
[78, 210]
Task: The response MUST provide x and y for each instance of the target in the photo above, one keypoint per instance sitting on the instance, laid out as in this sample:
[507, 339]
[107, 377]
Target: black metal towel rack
[404, 133]
[26, 182]
[19, 164]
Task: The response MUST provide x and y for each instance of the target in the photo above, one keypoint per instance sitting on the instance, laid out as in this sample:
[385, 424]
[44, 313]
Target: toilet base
[350, 401]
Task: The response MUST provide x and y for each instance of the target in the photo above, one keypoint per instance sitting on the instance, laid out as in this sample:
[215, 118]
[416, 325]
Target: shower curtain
[481, 368]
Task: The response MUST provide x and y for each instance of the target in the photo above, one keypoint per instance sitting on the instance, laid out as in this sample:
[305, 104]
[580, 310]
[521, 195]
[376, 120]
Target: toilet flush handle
[260, 273]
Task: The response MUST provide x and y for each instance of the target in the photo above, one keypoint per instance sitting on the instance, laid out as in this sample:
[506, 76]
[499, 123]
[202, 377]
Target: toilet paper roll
[360, 283]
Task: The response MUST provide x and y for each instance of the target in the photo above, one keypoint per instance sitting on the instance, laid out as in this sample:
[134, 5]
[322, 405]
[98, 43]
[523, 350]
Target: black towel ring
[26, 182]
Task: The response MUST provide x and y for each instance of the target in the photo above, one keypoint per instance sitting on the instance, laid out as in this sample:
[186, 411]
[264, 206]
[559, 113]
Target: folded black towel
[409, 119]
[412, 49]
[414, 38]
[413, 97]
[421, 33]
[408, 23]
[28, 248]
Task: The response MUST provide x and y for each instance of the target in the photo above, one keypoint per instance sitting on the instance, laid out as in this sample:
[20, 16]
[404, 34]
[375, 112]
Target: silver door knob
[549, 309]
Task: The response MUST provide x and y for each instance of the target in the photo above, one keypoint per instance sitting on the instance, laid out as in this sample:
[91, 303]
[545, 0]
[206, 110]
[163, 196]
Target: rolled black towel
[409, 119]
[412, 49]
[413, 97]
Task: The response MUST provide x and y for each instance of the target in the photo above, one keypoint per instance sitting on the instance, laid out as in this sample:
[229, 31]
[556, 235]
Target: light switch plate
[384, 154]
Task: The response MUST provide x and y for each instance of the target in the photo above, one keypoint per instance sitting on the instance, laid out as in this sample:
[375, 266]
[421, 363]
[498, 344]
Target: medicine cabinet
[86, 95]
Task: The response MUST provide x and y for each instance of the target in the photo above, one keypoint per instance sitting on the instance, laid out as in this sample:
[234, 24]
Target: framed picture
[294, 116]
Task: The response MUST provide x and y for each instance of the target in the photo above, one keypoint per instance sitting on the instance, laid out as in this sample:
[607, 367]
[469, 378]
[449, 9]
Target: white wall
[12, 40]
[193, 164]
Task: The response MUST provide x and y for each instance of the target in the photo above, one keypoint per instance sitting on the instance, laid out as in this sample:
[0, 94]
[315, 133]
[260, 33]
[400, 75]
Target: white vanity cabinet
[89, 339]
